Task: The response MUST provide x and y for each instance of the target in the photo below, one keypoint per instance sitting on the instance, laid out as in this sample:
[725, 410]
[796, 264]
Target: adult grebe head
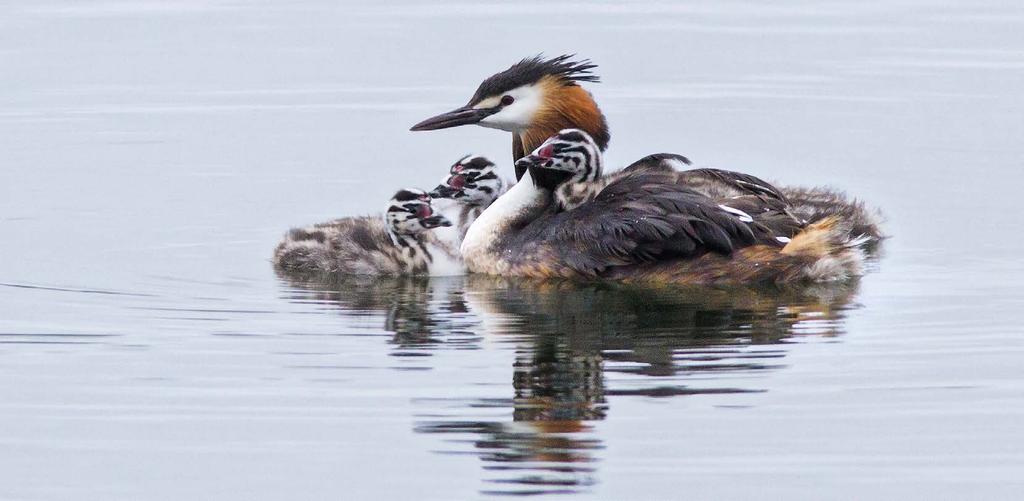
[533, 99]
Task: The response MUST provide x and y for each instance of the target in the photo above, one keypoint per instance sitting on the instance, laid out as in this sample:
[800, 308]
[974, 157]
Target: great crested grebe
[647, 224]
[535, 98]
[472, 184]
[400, 243]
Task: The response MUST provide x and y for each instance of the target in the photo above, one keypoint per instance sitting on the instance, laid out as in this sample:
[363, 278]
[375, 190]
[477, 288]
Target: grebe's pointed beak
[465, 115]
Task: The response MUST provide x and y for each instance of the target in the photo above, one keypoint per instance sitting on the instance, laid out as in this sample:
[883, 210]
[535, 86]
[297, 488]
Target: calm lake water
[152, 154]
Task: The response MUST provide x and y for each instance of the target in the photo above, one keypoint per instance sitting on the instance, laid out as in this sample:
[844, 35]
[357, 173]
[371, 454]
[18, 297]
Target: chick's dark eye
[507, 100]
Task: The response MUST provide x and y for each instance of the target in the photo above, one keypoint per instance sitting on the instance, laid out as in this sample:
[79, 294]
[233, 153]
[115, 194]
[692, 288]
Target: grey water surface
[152, 154]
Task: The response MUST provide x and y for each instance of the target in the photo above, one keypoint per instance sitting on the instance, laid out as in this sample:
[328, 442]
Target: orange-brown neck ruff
[564, 107]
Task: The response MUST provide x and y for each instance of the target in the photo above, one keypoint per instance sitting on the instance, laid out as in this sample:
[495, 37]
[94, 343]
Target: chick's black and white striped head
[409, 213]
[571, 156]
[473, 180]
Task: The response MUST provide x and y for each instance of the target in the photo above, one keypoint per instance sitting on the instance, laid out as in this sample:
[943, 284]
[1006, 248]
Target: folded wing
[646, 213]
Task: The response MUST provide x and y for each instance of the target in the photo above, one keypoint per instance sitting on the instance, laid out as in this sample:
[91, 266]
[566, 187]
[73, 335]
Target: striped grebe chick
[536, 97]
[399, 243]
[645, 224]
[471, 185]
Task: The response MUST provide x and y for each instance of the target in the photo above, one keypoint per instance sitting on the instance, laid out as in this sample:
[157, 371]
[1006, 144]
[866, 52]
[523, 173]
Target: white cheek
[511, 118]
[496, 122]
[519, 114]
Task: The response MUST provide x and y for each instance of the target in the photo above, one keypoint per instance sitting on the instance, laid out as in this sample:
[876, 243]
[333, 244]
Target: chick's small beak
[435, 221]
[443, 191]
[465, 115]
[529, 161]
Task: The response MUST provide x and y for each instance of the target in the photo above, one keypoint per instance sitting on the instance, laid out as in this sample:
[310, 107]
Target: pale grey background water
[151, 154]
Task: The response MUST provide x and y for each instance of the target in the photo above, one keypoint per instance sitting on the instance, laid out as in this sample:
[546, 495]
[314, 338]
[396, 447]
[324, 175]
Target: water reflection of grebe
[420, 312]
[577, 347]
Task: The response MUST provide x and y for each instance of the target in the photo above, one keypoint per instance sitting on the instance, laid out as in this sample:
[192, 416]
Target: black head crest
[532, 69]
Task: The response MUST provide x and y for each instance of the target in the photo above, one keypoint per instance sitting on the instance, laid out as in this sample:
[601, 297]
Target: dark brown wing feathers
[644, 215]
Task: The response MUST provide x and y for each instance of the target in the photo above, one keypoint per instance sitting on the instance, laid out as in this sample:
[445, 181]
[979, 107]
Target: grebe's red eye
[457, 182]
[546, 152]
[507, 100]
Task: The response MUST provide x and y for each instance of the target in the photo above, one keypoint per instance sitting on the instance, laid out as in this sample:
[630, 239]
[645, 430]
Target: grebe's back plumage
[747, 197]
[809, 205]
[645, 225]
